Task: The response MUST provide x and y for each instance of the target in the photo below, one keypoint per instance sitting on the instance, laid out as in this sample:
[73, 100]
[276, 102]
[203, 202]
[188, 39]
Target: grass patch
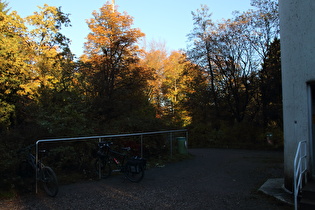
[4, 195]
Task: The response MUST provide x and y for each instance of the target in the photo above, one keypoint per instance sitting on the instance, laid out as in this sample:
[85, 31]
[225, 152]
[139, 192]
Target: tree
[270, 82]
[230, 52]
[4, 7]
[57, 100]
[203, 51]
[173, 88]
[111, 48]
[14, 66]
[166, 88]
[51, 48]
[115, 81]
[235, 66]
[154, 60]
[265, 39]
[265, 24]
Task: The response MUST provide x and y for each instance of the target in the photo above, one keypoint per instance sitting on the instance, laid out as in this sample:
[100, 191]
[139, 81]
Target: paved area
[213, 179]
[275, 188]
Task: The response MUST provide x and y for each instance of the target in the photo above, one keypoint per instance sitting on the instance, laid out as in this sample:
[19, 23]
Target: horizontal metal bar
[109, 136]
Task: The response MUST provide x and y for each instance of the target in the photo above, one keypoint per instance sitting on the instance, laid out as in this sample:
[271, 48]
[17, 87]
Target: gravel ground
[213, 179]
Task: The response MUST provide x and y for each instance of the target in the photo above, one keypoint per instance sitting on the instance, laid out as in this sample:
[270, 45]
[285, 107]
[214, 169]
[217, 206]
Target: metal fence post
[187, 139]
[36, 163]
[99, 163]
[141, 146]
[171, 140]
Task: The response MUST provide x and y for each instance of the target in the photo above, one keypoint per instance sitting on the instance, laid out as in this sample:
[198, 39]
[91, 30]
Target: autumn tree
[57, 102]
[166, 88]
[14, 66]
[111, 48]
[155, 59]
[114, 79]
[174, 88]
[50, 46]
[4, 7]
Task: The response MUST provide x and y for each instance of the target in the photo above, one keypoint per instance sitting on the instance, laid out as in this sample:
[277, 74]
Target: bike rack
[109, 136]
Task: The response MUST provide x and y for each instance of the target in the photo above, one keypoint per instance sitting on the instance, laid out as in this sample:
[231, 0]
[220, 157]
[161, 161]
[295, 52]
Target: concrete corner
[275, 188]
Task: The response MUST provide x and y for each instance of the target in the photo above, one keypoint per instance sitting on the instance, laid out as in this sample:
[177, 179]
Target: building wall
[297, 35]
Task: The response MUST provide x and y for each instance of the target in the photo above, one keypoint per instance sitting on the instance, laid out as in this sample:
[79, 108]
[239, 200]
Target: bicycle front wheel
[50, 182]
[134, 173]
[103, 167]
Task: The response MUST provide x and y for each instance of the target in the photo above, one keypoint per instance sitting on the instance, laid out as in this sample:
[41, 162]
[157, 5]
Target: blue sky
[166, 21]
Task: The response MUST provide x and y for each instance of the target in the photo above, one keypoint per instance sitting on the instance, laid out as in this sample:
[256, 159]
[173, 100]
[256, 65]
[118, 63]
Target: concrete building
[297, 34]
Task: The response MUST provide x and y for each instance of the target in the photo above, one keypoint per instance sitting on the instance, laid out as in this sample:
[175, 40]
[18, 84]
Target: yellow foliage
[168, 87]
[111, 30]
[14, 53]
[30, 58]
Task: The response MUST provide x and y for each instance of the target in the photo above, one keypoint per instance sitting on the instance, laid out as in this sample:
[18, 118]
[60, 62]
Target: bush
[239, 135]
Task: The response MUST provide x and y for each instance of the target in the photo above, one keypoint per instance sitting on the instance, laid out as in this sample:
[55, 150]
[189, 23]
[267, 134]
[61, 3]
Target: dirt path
[213, 179]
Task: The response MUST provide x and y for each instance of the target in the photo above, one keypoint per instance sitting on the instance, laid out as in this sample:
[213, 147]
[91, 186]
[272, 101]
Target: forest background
[225, 88]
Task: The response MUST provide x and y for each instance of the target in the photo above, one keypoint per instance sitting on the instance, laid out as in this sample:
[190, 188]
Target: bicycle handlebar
[105, 143]
[108, 143]
[126, 148]
[28, 148]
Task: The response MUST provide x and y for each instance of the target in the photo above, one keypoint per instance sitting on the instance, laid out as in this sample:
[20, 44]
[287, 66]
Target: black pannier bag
[135, 164]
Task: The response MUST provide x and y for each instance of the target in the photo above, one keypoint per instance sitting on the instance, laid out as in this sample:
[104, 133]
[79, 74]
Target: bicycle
[46, 175]
[133, 168]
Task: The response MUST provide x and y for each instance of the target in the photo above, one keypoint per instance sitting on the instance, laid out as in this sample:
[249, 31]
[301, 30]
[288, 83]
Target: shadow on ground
[213, 179]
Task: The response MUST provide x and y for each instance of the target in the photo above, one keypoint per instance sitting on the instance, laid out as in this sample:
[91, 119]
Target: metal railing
[99, 138]
[300, 169]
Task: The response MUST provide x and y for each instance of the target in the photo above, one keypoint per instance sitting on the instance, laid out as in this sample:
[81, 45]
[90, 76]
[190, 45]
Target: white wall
[297, 35]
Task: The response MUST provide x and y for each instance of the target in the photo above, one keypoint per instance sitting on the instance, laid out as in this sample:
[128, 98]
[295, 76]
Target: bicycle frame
[119, 163]
[37, 167]
[105, 153]
[110, 154]
[31, 160]
[42, 173]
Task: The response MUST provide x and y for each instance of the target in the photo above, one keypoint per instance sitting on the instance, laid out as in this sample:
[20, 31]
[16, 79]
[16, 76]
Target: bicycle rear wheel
[134, 174]
[50, 182]
[103, 166]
